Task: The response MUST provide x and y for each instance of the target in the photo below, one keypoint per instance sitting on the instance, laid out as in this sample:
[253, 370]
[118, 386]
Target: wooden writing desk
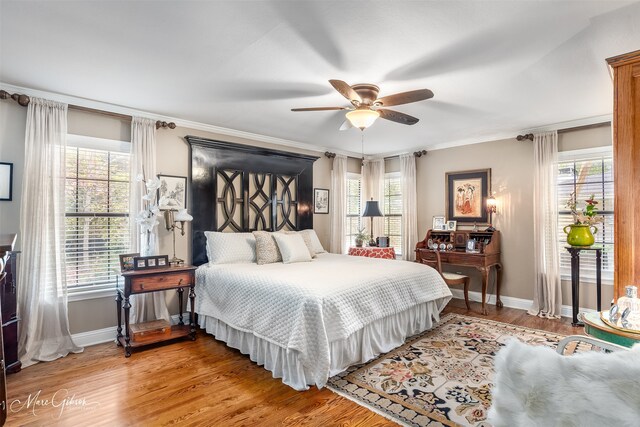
[484, 261]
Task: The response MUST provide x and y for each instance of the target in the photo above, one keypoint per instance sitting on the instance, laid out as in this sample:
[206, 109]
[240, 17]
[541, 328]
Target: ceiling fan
[367, 107]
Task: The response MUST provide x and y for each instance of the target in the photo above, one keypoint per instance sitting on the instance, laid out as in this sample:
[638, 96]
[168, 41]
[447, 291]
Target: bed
[303, 321]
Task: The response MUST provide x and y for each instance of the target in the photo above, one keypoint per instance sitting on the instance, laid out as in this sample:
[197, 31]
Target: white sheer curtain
[373, 187]
[143, 161]
[547, 296]
[409, 206]
[42, 294]
[337, 240]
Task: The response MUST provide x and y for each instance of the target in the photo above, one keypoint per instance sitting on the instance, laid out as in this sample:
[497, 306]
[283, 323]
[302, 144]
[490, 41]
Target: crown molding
[120, 109]
[114, 108]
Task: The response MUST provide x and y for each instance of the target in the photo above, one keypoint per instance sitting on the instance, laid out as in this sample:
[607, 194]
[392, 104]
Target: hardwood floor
[191, 383]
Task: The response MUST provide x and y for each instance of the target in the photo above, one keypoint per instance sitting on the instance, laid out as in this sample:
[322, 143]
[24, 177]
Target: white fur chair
[536, 386]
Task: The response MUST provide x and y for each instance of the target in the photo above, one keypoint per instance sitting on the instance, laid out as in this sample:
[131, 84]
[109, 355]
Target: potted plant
[361, 237]
[580, 232]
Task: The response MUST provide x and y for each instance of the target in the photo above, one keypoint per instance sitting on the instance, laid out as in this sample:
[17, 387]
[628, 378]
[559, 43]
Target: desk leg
[599, 279]
[192, 314]
[498, 283]
[180, 291]
[127, 338]
[575, 287]
[485, 281]
[119, 308]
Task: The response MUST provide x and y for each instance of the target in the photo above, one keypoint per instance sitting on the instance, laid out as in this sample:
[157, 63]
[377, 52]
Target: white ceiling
[496, 67]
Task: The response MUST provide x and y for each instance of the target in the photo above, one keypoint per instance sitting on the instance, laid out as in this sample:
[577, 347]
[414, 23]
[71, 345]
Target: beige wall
[511, 164]
[510, 161]
[172, 159]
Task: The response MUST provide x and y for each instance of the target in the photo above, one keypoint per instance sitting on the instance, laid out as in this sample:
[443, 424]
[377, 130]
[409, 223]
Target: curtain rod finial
[528, 136]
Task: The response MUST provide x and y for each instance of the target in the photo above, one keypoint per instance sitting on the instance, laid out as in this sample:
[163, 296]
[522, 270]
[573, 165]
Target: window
[393, 210]
[354, 206]
[587, 172]
[97, 212]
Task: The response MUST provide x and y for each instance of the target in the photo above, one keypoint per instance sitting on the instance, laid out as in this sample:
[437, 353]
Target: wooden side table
[594, 326]
[373, 252]
[575, 279]
[153, 280]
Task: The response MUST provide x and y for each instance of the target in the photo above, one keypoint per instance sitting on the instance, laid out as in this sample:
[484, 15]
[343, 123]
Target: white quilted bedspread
[305, 306]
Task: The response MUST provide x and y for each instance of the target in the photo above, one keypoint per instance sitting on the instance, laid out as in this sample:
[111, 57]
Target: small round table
[595, 327]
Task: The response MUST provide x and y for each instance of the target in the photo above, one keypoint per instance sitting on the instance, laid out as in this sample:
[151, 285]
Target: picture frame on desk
[466, 194]
[126, 261]
[451, 225]
[153, 261]
[439, 223]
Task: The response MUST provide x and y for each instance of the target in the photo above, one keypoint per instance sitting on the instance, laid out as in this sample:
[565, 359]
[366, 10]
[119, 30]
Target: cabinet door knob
[141, 285]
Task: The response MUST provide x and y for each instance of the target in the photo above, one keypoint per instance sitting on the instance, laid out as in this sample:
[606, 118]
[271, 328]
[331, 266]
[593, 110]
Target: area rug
[440, 377]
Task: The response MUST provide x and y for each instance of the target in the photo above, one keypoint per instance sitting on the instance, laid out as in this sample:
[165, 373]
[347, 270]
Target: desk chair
[432, 259]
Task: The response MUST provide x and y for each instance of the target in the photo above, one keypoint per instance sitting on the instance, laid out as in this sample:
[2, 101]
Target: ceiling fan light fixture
[362, 118]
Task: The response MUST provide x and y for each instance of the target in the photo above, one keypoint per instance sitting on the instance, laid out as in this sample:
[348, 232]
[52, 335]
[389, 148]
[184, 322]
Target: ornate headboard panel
[237, 188]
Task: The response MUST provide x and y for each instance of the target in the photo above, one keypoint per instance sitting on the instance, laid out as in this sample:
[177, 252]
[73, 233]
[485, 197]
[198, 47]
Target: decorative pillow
[230, 248]
[315, 244]
[292, 248]
[267, 251]
[307, 241]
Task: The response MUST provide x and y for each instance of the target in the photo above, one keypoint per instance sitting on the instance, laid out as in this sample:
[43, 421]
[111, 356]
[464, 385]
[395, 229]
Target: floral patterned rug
[440, 377]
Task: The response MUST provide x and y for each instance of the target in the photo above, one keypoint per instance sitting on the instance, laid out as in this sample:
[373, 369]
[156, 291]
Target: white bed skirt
[376, 338]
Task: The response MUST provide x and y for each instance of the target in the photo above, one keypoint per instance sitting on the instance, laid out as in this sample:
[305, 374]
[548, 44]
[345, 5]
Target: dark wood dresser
[7, 242]
[9, 303]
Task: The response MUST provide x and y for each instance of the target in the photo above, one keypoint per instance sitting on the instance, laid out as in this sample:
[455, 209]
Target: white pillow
[230, 248]
[292, 248]
[315, 242]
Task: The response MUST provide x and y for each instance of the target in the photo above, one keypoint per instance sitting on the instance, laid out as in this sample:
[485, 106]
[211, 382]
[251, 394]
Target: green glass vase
[580, 234]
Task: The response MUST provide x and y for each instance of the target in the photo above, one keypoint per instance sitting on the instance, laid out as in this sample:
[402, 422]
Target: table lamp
[371, 209]
[172, 220]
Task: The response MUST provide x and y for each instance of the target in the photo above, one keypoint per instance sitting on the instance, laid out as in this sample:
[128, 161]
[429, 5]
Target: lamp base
[175, 261]
[372, 242]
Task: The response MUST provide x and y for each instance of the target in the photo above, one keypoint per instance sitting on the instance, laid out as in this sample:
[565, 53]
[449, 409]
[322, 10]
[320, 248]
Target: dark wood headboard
[237, 188]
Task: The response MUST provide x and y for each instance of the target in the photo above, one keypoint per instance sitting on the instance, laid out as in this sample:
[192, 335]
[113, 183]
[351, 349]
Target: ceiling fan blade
[319, 109]
[405, 97]
[346, 91]
[346, 125]
[397, 117]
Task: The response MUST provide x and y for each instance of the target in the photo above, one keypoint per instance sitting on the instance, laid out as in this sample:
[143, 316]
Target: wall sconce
[176, 220]
[491, 209]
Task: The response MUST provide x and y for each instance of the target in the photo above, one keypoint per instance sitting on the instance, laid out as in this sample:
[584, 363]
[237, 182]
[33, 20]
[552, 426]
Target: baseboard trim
[100, 336]
[511, 302]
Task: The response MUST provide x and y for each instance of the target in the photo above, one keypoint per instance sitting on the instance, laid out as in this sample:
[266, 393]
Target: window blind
[97, 218]
[393, 211]
[587, 172]
[354, 203]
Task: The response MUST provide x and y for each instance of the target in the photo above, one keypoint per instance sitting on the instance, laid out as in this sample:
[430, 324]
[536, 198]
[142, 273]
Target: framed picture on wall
[466, 195]
[172, 192]
[6, 181]
[320, 201]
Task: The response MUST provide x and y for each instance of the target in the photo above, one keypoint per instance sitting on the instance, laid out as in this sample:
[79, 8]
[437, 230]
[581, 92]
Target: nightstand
[373, 252]
[153, 280]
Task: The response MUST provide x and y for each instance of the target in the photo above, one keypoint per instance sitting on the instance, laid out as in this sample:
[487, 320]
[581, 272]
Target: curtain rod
[24, 100]
[529, 136]
[416, 153]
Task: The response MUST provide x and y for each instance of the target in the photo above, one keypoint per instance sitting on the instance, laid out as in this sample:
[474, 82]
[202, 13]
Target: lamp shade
[362, 118]
[372, 208]
[182, 215]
